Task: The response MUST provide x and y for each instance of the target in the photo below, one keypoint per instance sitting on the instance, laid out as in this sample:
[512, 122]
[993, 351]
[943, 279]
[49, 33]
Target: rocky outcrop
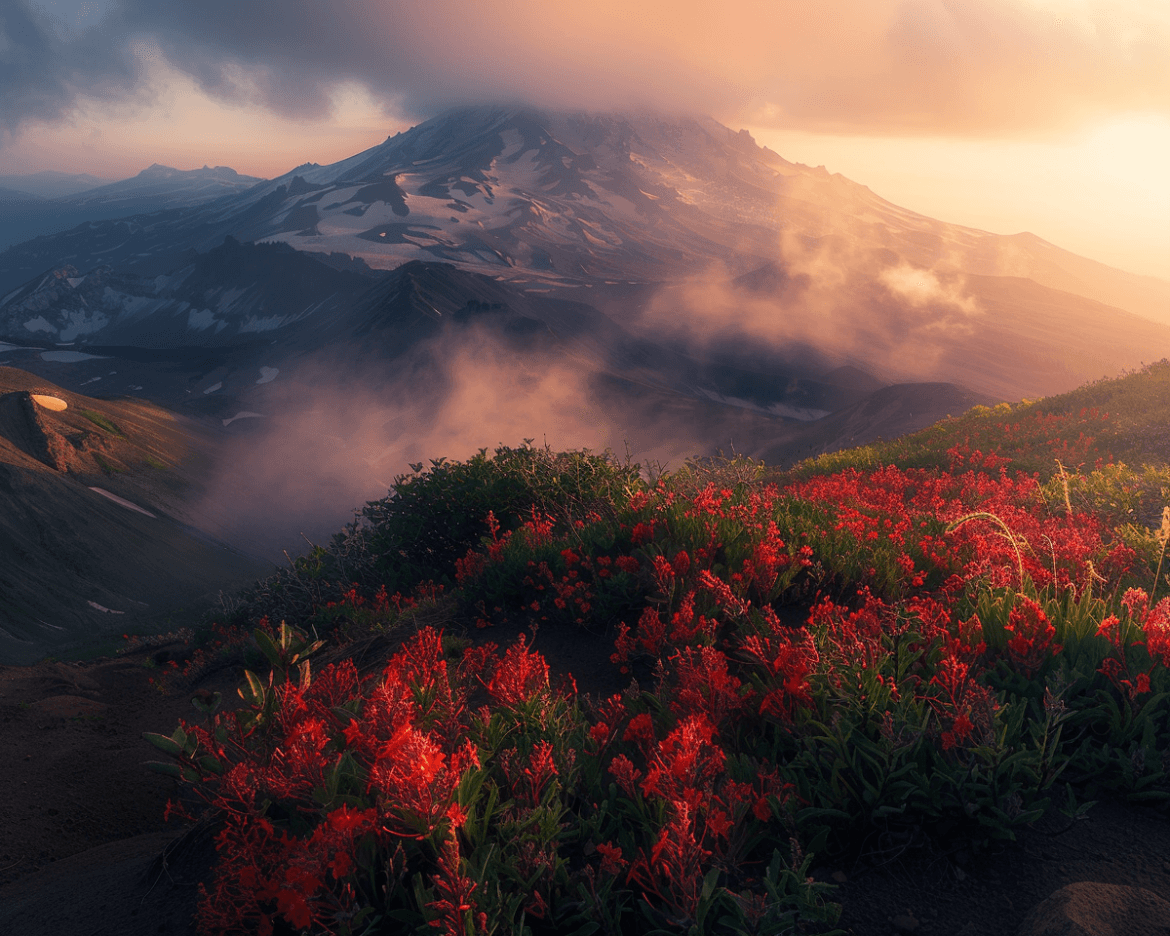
[24, 424]
[1087, 908]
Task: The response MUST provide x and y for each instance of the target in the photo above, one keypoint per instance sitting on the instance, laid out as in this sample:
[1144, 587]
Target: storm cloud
[991, 67]
[44, 70]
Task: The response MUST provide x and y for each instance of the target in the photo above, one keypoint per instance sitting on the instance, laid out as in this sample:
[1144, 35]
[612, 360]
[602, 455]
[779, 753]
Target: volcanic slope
[91, 540]
[579, 198]
[232, 294]
[592, 206]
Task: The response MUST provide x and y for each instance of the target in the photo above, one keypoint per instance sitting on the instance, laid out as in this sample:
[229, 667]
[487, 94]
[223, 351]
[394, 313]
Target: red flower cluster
[402, 738]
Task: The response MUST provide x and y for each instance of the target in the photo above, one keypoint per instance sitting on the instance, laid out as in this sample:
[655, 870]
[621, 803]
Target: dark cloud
[891, 66]
[44, 69]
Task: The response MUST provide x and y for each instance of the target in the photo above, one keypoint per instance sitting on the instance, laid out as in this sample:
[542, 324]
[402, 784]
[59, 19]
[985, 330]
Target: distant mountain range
[51, 202]
[50, 184]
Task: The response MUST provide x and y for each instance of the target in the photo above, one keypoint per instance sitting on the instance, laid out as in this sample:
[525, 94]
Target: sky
[1051, 116]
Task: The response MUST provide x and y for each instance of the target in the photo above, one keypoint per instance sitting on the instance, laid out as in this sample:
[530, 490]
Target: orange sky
[1045, 115]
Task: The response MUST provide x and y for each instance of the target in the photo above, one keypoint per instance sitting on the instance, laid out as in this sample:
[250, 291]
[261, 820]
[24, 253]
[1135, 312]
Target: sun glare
[1101, 193]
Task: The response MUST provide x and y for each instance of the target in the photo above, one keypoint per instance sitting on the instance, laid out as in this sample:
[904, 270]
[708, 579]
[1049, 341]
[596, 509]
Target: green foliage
[102, 422]
[434, 516]
[935, 639]
[105, 465]
[431, 518]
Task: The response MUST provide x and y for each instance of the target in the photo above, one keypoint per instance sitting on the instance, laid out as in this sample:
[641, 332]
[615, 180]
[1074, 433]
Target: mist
[854, 306]
[336, 434]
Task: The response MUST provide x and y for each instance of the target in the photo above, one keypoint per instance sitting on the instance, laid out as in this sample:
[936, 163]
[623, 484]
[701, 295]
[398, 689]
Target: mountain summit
[567, 198]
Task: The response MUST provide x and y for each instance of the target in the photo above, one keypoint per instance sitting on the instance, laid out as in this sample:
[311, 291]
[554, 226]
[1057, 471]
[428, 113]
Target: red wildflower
[628, 564]
[625, 774]
[611, 858]
[640, 730]
[1031, 642]
[519, 676]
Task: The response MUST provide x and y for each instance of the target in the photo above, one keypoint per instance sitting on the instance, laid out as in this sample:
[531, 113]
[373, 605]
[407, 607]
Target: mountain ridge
[449, 163]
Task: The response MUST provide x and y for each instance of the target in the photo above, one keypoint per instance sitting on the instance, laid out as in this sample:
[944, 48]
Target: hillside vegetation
[929, 641]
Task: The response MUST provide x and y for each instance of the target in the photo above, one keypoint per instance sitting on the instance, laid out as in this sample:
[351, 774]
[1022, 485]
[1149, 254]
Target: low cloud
[997, 67]
[336, 437]
[827, 303]
[924, 289]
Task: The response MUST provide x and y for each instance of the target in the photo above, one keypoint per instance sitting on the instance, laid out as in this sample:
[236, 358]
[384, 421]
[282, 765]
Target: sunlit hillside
[551, 692]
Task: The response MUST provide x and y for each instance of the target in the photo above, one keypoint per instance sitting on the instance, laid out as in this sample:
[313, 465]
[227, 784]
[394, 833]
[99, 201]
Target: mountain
[622, 281]
[93, 533]
[161, 186]
[605, 206]
[50, 184]
[240, 298]
[53, 203]
[10, 196]
[585, 198]
[230, 293]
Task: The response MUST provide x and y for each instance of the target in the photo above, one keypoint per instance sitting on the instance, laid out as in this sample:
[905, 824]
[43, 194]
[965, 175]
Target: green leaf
[165, 744]
[170, 769]
[814, 812]
[1149, 796]
[269, 649]
[255, 695]
[210, 764]
[208, 708]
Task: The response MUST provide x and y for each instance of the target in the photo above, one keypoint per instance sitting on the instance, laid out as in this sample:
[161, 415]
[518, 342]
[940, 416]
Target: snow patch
[124, 503]
[56, 404]
[79, 323]
[267, 375]
[268, 323]
[213, 388]
[801, 413]
[102, 608]
[200, 319]
[40, 323]
[69, 357]
[243, 415]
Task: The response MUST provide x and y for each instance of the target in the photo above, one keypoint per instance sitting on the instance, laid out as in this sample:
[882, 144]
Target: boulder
[1087, 908]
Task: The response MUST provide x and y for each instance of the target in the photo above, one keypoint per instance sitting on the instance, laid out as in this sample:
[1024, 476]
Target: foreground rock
[1088, 908]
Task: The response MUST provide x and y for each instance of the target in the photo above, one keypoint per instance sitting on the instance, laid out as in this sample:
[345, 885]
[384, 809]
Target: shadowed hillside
[92, 531]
